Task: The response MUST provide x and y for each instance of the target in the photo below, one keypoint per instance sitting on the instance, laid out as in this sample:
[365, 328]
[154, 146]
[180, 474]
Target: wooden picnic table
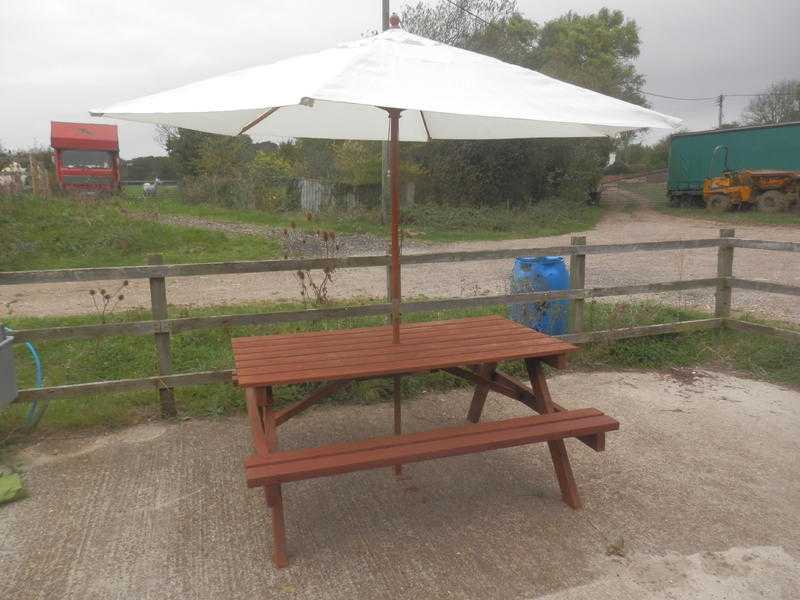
[468, 348]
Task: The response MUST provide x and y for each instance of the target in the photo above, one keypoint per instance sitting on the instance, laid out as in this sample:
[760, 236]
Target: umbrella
[347, 92]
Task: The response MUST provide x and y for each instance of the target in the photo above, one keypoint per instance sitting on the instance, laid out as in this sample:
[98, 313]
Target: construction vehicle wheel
[719, 203]
[772, 201]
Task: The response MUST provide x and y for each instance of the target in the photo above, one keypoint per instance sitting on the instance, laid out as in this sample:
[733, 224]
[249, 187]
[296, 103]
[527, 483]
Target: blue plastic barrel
[540, 274]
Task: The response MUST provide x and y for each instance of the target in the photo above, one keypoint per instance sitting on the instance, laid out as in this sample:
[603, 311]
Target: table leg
[558, 450]
[265, 438]
[398, 417]
[278, 527]
[481, 391]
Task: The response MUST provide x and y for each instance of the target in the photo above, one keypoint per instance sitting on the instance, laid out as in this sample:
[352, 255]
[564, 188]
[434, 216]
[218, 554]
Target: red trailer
[86, 156]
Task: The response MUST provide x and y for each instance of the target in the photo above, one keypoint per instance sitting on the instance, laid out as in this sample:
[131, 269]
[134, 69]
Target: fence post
[158, 304]
[722, 303]
[577, 281]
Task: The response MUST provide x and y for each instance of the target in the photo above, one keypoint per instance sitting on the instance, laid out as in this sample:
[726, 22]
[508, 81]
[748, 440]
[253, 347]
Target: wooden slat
[367, 364]
[761, 286]
[410, 328]
[476, 441]
[370, 351]
[123, 385]
[271, 266]
[344, 312]
[785, 334]
[278, 354]
[766, 245]
[439, 257]
[451, 348]
[389, 441]
[608, 335]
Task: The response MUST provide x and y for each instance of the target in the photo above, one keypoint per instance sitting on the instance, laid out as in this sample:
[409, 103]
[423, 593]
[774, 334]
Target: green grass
[78, 361]
[64, 233]
[656, 194]
[427, 222]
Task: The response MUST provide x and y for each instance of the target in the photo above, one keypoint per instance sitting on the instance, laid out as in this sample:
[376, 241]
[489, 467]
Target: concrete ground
[697, 496]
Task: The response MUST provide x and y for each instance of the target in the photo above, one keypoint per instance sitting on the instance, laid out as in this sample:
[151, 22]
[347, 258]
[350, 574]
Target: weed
[299, 244]
[108, 301]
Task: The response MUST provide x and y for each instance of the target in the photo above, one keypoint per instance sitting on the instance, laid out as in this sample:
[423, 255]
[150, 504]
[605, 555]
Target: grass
[656, 194]
[427, 222]
[65, 233]
[77, 361]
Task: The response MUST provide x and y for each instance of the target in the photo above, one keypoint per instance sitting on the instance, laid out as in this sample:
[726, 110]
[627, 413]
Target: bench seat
[333, 459]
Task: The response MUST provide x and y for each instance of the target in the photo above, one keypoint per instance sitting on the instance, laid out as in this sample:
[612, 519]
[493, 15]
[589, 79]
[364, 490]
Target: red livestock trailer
[86, 156]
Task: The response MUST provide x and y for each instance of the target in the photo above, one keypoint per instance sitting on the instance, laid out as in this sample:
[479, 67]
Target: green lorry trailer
[694, 157]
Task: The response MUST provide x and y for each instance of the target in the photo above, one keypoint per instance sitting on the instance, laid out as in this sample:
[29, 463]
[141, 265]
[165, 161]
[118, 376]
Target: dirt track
[485, 277]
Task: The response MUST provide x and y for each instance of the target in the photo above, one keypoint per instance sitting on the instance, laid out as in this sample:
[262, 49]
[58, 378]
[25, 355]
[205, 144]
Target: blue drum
[540, 274]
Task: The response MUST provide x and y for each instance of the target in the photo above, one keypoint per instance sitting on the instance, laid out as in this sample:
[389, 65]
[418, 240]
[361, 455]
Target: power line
[716, 98]
[470, 13]
[677, 98]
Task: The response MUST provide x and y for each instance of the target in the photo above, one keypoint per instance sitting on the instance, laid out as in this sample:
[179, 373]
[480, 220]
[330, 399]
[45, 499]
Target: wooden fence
[161, 327]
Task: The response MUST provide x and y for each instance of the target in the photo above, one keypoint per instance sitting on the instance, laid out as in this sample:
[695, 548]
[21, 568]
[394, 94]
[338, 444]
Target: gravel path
[362, 244]
[474, 278]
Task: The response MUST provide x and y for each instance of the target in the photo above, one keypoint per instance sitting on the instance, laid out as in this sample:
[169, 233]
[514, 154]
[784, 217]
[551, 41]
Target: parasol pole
[394, 186]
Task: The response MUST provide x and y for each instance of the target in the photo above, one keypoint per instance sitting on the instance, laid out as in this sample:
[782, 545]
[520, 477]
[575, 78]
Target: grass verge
[656, 194]
[427, 222]
[59, 233]
[77, 361]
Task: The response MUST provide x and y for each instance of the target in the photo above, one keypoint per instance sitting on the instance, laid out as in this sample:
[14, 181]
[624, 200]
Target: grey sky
[60, 58]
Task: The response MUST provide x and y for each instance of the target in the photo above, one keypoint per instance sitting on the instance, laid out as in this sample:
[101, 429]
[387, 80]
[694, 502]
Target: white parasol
[346, 92]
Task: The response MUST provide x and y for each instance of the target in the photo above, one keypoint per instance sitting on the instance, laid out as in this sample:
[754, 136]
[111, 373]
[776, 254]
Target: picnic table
[468, 348]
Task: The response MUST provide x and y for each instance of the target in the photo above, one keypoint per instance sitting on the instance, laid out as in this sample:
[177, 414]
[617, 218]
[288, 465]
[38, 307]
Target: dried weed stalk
[301, 244]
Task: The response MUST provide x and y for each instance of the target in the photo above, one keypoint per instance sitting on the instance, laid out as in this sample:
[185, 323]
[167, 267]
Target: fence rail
[161, 327]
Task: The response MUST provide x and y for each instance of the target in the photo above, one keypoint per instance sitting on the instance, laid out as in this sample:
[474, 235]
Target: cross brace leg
[481, 390]
[558, 450]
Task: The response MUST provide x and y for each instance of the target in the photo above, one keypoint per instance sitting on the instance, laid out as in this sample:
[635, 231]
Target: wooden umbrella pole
[394, 184]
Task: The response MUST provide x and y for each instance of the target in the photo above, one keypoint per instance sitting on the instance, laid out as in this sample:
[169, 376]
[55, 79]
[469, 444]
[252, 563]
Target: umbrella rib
[258, 119]
[425, 123]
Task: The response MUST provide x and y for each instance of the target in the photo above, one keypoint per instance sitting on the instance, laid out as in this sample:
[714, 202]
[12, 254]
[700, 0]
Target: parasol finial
[394, 21]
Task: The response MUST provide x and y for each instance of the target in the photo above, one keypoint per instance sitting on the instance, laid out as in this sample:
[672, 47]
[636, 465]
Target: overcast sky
[59, 58]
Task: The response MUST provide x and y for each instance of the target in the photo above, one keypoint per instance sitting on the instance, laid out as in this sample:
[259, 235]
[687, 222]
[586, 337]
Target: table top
[369, 351]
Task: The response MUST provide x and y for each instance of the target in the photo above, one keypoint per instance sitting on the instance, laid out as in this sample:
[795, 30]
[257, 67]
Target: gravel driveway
[473, 278]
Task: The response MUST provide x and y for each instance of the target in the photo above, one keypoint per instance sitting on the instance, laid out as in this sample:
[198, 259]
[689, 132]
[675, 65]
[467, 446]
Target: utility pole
[384, 144]
[719, 114]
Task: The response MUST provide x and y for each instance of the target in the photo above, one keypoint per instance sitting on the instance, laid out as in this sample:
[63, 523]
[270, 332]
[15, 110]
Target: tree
[595, 51]
[779, 104]
[453, 24]
[148, 167]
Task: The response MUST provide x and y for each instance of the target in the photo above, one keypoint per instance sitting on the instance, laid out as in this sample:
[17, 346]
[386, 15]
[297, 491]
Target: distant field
[429, 222]
[656, 194]
[65, 233]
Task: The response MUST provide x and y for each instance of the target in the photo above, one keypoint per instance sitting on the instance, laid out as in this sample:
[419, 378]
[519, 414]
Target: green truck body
[773, 147]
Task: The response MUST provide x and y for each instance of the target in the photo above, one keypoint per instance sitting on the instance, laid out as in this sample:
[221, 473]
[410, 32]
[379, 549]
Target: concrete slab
[696, 496]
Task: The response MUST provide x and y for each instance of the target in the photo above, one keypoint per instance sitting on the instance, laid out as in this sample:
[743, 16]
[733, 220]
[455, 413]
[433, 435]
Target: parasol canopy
[445, 92]
[347, 91]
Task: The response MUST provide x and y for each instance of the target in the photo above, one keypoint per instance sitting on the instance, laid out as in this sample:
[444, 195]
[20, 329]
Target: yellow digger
[767, 190]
